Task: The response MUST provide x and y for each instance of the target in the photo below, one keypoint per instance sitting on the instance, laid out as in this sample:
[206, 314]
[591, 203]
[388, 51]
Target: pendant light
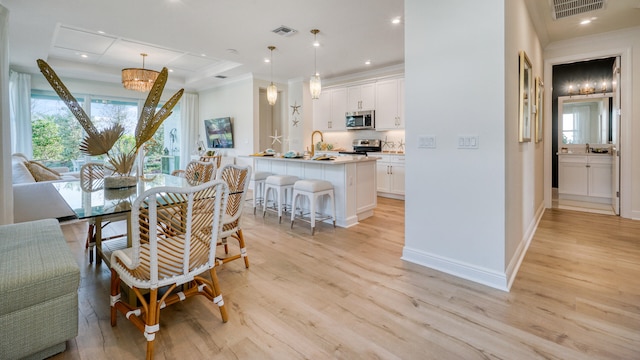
[272, 90]
[139, 79]
[315, 85]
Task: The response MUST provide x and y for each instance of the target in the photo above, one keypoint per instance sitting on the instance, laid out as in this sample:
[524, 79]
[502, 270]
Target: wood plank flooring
[345, 294]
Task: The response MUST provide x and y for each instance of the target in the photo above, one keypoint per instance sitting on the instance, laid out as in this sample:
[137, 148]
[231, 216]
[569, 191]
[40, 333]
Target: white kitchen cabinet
[361, 97]
[584, 177]
[390, 104]
[329, 110]
[390, 175]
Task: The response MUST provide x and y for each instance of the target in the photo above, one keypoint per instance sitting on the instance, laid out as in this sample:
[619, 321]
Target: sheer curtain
[20, 113]
[6, 190]
[190, 123]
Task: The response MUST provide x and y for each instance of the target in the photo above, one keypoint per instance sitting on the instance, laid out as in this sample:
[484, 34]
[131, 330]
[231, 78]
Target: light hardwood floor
[346, 294]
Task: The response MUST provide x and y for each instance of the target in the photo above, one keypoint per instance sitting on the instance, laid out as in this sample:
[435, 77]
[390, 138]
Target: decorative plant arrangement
[101, 142]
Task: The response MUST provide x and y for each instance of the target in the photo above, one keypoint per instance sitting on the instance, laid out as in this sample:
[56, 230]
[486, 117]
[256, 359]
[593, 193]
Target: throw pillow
[41, 172]
[21, 173]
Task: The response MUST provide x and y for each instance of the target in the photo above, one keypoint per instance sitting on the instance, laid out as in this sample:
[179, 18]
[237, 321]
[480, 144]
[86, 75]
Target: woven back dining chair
[237, 178]
[161, 261]
[197, 172]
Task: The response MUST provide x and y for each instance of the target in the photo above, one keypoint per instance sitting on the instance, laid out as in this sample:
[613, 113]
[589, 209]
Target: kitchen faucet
[313, 147]
[586, 149]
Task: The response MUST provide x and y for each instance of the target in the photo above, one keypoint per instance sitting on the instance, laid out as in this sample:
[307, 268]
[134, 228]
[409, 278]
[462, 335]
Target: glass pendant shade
[139, 79]
[315, 86]
[272, 90]
[272, 94]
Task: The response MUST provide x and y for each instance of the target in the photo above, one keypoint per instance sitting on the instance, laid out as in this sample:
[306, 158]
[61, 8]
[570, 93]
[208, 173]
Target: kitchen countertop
[339, 160]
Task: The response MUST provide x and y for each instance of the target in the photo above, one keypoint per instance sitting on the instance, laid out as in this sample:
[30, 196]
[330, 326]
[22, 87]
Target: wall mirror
[584, 120]
[539, 109]
[525, 98]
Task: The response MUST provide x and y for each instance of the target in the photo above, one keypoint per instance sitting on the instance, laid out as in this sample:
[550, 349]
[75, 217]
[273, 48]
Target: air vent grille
[284, 31]
[221, 76]
[565, 8]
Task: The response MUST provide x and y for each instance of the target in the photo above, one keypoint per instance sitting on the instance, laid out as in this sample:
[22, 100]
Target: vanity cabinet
[361, 97]
[329, 110]
[390, 104]
[584, 177]
[390, 175]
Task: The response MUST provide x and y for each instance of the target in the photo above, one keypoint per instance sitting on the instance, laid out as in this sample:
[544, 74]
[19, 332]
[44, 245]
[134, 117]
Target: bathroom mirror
[584, 119]
[525, 98]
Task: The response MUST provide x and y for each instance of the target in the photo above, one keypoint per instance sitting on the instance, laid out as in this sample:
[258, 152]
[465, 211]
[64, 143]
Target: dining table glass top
[104, 202]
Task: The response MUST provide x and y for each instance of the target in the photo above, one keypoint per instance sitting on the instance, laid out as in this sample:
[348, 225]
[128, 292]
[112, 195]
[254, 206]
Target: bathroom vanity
[585, 177]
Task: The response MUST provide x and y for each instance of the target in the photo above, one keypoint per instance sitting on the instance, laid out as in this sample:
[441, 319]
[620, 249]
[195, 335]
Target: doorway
[583, 138]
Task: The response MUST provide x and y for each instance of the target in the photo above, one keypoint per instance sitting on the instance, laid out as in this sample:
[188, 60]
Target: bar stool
[280, 186]
[257, 179]
[313, 190]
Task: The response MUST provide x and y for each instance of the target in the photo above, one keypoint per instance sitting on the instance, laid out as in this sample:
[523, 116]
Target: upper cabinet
[329, 110]
[390, 104]
[361, 97]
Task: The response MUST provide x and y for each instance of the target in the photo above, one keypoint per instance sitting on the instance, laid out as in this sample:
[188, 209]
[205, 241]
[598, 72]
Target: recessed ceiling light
[84, 56]
[203, 55]
[170, 70]
[396, 20]
[368, 62]
[100, 32]
[267, 60]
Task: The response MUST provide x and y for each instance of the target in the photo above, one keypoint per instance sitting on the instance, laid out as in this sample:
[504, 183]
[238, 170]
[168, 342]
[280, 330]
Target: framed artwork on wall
[539, 109]
[525, 98]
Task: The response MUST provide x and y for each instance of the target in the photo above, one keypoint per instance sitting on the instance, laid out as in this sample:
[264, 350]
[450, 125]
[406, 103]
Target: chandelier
[272, 90]
[315, 85]
[139, 79]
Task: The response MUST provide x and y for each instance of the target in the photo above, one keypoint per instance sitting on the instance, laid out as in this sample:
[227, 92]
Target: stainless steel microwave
[359, 120]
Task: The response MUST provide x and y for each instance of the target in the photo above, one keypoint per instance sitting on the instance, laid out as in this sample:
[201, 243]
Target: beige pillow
[21, 173]
[41, 172]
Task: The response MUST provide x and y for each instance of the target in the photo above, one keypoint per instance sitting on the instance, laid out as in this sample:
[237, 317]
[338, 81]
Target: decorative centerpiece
[101, 142]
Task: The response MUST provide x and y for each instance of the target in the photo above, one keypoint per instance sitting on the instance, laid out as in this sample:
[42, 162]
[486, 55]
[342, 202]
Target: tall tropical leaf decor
[101, 142]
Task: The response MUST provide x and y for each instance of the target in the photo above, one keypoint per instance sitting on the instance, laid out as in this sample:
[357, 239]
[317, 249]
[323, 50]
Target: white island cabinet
[353, 179]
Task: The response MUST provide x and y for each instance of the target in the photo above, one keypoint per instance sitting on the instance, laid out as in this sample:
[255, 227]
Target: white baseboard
[453, 267]
[521, 251]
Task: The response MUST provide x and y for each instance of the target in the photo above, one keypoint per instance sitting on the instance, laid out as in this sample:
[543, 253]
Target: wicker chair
[217, 159]
[237, 178]
[92, 179]
[197, 172]
[161, 261]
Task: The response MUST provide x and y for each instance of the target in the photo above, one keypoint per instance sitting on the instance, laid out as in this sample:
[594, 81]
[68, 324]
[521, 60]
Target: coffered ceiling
[206, 42]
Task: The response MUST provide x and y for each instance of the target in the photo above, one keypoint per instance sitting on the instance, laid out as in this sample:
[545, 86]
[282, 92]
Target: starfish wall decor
[276, 138]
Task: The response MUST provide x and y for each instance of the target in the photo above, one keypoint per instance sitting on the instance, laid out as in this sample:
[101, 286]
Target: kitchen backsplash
[392, 140]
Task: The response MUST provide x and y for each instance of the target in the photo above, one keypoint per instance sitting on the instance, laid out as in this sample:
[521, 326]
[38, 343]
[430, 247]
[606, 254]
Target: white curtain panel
[6, 189]
[20, 113]
[190, 123]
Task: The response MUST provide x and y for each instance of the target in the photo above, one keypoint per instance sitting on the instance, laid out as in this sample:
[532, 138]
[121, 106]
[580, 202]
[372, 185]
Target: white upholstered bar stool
[257, 180]
[280, 187]
[314, 190]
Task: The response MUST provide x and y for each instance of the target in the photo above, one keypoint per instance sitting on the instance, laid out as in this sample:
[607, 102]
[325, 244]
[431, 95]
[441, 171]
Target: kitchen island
[353, 179]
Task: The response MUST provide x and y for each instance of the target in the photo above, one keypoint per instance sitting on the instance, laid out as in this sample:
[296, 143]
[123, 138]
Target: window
[57, 133]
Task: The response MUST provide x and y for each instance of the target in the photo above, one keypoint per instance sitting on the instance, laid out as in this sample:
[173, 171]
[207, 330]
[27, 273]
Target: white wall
[625, 43]
[6, 190]
[235, 100]
[468, 211]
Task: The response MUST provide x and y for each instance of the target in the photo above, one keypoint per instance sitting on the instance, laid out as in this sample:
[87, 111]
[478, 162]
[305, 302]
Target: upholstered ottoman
[39, 281]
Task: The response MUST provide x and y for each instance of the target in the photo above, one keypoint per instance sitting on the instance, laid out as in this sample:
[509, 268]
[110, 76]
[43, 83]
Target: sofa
[25, 171]
[38, 290]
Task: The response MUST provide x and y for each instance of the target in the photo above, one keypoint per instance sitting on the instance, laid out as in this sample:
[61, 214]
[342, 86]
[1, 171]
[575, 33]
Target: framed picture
[525, 98]
[539, 109]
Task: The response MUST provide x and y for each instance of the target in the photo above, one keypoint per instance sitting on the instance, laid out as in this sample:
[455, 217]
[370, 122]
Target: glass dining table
[102, 205]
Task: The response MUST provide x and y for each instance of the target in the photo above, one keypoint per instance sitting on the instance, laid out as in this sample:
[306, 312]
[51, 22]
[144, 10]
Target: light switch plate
[468, 141]
[427, 141]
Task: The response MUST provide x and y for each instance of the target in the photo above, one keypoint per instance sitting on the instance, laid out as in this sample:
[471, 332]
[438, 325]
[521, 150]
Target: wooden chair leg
[217, 295]
[152, 322]
[115, 294]
[243, 249]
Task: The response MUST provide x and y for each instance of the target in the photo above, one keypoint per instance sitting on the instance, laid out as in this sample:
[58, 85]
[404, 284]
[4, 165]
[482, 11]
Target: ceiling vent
[221, 76]
[566, 8]
[284, 31]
